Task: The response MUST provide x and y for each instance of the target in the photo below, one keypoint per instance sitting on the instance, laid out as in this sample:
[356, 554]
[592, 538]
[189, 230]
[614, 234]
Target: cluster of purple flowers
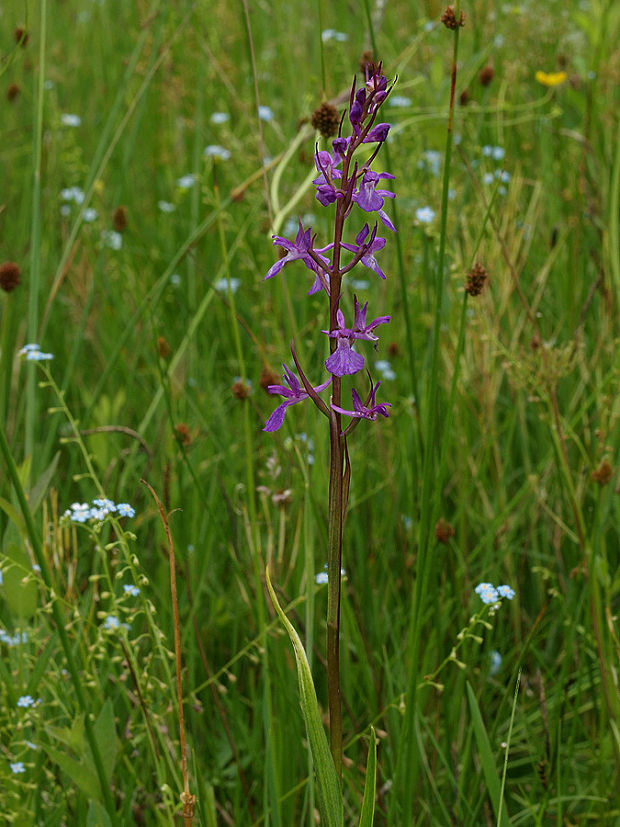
[351, 185]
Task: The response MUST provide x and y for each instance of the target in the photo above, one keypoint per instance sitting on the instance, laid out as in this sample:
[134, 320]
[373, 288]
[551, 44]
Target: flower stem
[334, 561]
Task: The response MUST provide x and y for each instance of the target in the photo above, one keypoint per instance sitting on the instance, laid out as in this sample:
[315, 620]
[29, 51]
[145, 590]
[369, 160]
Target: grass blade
[327, 780]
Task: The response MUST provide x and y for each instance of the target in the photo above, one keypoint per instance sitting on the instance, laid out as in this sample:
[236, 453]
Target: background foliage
[165, 331]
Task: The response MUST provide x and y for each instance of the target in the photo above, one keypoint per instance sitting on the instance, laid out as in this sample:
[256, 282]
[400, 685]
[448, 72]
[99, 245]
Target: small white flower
[72, 194]
[385, 369]
[67, 119]
[332, 34]
[222, 285]
[265, 113]
[424, 215]
[186, 182]
[166, 206]
[175, 279]
[112, 239]
[399, 101]
[220, 117]
[215, 151]
[89, 215]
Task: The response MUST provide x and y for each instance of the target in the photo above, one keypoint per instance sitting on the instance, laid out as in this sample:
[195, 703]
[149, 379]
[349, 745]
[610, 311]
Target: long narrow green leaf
[489, 767]
[370, 787]
[329, 789]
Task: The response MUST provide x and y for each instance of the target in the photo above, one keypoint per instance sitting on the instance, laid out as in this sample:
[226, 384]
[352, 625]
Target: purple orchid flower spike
[299, 249]
[370, 199]
[293, 394]
[368, 249]
[365, 411]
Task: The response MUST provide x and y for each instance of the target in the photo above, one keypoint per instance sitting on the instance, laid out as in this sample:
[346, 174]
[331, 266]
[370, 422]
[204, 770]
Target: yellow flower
[551, 79]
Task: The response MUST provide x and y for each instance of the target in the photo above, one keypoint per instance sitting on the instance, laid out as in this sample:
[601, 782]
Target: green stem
[35, 233]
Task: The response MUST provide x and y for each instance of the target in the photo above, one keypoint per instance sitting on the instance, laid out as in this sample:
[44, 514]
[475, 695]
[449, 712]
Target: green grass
[503, 408]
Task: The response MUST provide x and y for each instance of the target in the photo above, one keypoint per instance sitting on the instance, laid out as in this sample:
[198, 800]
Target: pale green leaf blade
[370, 787]
[327, 779]
[487, 759]
[82, 775]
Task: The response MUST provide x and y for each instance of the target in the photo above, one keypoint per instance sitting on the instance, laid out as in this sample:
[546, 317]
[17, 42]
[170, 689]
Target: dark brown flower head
[241, 389]
[326, 119]
[535, 342]
[603, 473]
[486, 75]
[9, 276]
[21, 36]
[12, 92]
[464, 97]
[268, 377]
[182, 433]
[448, 18]
[368, 63]
[476, 280]
[119, 219]
[163, 348]
[443, 531]
[393, 349]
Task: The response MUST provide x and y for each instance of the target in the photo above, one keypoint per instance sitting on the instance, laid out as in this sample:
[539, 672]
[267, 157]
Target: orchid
[343, 180]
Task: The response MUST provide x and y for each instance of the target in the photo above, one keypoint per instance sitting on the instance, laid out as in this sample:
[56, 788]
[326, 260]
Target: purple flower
[378, 133]
[370, 199]
[361, 330]
[356, 109]
[318, 284]
[369, 248]
[299, 249]
[344, 361]
[326, 192]
[361, 411]
[293, 394]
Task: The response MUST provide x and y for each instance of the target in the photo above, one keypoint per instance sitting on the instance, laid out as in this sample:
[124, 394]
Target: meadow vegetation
[149, 152]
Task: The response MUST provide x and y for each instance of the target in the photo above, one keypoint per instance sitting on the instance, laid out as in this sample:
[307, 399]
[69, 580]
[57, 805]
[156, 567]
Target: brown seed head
[443, 531]
[119, 219]
[476, 280]
[21, 36]
[448, 18]
[486, 75]
[240, 389]
[464, 97]
[603, 473]
[268, 377]
[368, 63]
[326, 119]
[182, 433]
[12, 92]
[9, 276]
[163, 348]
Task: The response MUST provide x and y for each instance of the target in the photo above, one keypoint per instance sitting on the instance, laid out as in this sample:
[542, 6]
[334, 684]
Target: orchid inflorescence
[342, 181]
